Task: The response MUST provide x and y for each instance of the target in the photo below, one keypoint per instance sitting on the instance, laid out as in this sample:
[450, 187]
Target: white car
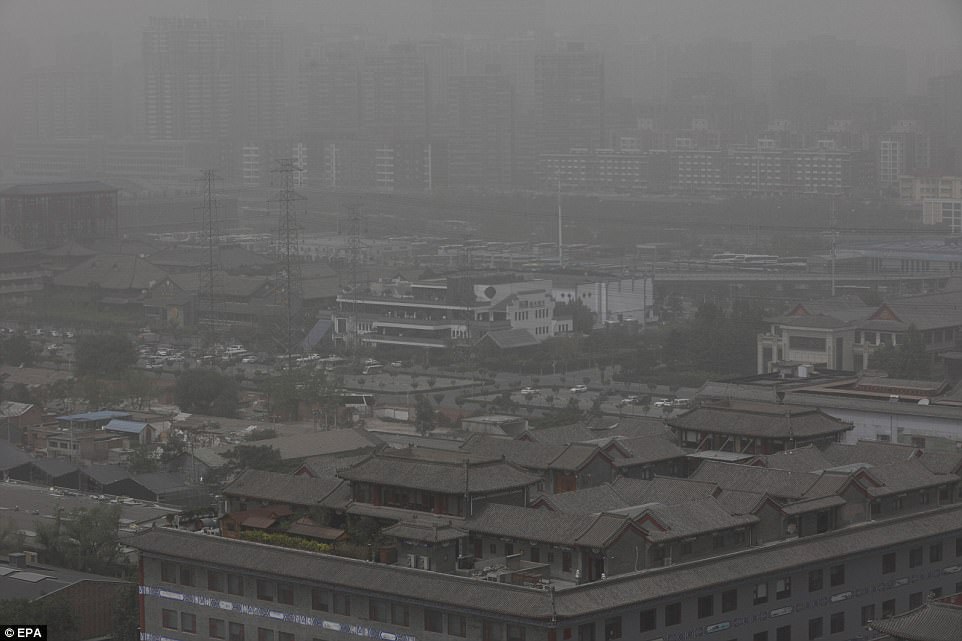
[577, 389]
[249, 359]
[529, 391]
[664, 402]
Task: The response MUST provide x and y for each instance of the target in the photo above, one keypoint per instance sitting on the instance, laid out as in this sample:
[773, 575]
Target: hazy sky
[913, 24]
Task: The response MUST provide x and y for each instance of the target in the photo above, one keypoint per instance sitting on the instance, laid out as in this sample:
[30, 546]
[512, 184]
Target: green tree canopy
[206, 391]
[52, 611]
[425, 417]
[85, 540]
[908, 359]
[254, 457]
[583, 319]
[104, 354]
[16, 350]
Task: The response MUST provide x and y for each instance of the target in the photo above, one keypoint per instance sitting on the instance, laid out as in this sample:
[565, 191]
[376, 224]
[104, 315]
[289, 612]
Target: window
[508, 549]
[806, 343]
[215, 581]
[400, 615]
[215, 628]
[815, 628]
[235, 632]
[457, 626]
[815, 580]
[535, 554]
[760, 593]
[186, 575]
[265, 590]
[491, 631]
[783, 588]
[168, 619]
[935, 553]
[263, 634]
[706, 606]
[783, 633]
[285, 593]
[320, 599]
[342, 604]
[958, 546]
[612, 628]
[673, 614]
[235, 584]
[836, 623]
[515, 632]
[285, 636]
[888, 563]
[888, 609]
[493, 548]
[868, 613]
[836, 575]
[915, 600]
[377, 610]
[586, 632]
[760, 636]
[188, 622]
[729, 600]
[648, 620]
[566, 561]
[915, 557]
[168, 572]
[433, 621]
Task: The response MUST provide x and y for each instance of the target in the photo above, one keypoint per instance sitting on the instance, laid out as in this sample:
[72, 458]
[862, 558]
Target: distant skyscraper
[214, 79]
[488, 17]
[569, 88]
[65, 103]
[945, 119]
[394, 100]
[329, 88]
[480, 119]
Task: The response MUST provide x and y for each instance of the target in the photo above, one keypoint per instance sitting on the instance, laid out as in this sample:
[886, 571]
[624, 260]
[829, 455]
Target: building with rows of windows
[484, 543]
[197, 586]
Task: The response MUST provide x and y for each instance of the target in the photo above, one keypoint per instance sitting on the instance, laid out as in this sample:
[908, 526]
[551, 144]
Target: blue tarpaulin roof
[133, 427]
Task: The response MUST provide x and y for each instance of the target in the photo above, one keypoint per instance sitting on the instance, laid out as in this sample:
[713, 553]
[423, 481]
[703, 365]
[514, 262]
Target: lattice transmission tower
[210, 239]
[288, 286]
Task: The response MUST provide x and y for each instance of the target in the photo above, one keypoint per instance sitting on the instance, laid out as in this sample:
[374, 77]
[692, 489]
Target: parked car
[528, 391]
[663, 402]
[628, 400]
[577, 389]
[681, 403]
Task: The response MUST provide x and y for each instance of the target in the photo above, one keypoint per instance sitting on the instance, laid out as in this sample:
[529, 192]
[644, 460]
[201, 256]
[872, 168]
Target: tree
[52, 611]
[104, 354]
[254, 457]
[908, 359]
[142, 460]
[11, 538]
[16, 350]
[137, 389]
[206, 391]
[424, 415]
[582, 318]
[87, 540]
[126, 616]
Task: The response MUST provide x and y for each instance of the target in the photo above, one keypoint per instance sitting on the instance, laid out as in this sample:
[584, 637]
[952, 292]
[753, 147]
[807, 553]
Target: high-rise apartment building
[214, 79]
[480, 130]
[569, 89]
[394, 98]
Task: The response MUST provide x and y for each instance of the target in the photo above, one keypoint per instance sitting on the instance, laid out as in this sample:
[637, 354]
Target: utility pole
[561, 257]
[354, 250]
[834, 233]
[287, 252]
